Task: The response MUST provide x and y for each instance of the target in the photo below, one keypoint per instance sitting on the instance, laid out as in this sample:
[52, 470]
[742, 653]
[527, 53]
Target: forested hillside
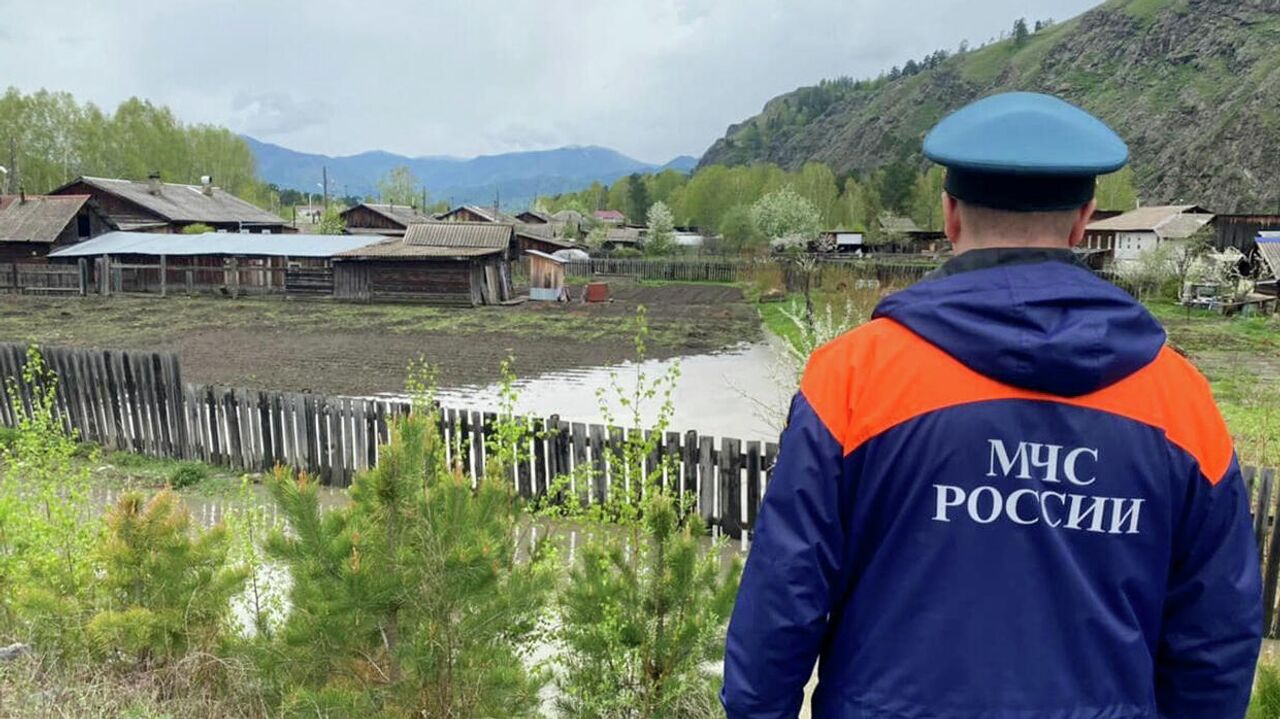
[1193, 85]
[47, 139]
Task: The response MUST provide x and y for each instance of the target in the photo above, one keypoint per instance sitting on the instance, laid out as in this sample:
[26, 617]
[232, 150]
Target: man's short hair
[986, 223]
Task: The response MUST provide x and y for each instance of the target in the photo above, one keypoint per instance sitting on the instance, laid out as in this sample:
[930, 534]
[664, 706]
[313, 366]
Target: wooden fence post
[164, 274]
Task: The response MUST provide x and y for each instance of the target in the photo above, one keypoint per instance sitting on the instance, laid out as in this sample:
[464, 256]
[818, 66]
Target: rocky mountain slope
[1192, 85]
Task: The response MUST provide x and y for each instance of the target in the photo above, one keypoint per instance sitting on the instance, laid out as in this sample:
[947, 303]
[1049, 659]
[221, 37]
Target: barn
[453, 263]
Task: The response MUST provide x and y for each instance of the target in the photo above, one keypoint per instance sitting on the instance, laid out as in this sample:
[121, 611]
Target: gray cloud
[269, 114]
[652, 78]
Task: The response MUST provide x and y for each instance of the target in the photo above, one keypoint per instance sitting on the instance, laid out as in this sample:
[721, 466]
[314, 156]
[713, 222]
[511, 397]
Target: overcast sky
[652, 78]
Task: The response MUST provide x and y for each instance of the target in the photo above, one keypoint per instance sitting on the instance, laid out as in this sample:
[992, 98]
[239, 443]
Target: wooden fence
[138, 402]
[21, 278]
[894, 271]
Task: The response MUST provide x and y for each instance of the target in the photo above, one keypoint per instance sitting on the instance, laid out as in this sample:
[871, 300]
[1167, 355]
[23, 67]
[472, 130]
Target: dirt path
[360, 349]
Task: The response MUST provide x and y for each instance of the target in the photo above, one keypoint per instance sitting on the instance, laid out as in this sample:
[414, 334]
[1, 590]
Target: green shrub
[1266, 692]
[188, 474]
[409, 601]
[167, 587]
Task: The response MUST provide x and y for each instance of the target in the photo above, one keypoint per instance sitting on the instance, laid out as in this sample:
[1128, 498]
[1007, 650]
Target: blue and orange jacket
[1002, 498]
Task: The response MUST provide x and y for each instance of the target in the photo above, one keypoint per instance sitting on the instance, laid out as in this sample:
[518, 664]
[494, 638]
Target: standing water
[740, 392]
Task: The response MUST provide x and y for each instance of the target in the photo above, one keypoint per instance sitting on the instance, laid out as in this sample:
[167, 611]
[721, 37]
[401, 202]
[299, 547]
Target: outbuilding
[546, 277]
[454, 263]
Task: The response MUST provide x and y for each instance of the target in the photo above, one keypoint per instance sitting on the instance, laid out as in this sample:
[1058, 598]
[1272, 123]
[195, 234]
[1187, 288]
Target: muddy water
[740, 392]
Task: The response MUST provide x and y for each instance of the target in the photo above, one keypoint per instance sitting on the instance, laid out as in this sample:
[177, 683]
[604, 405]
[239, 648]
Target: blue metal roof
[215, 243]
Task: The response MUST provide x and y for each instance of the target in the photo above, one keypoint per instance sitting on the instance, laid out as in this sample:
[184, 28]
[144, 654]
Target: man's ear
[951, 218]
[1083, 217]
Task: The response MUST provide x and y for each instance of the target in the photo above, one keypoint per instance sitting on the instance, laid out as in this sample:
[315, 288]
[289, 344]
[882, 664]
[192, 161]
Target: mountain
[1192, 85]
[518, 177]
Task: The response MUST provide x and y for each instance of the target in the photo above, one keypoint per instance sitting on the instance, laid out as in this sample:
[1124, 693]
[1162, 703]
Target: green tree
[895, 183]
[926, 199]
[738, 230]
[331, 222]
[167, 587]
[410, 601]
[637, 197]
[197, 228]
[1117, 191]
[1020, 32]
[643, 611]
[400, 187]
[785, 214]
[661, 239]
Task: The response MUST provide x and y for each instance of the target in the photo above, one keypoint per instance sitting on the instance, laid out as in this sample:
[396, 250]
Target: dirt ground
[343, 348]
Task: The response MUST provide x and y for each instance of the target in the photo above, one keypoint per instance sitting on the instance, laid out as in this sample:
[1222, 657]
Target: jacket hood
[1049, 326]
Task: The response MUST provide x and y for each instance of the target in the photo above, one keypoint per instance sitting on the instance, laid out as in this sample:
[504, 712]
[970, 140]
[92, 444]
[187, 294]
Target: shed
[155, 206]
[462, 263]
[546, 277]
[297, 264]
[33, 225]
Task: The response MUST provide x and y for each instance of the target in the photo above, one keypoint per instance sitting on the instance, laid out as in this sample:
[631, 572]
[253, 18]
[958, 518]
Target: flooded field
[741, 392]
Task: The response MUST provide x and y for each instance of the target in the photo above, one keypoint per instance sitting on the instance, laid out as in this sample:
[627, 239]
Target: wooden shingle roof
[183, 203]
[40, 218]
[403, 215]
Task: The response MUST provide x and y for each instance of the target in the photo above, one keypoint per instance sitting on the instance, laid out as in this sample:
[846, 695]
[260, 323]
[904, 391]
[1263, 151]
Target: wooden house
[370, 218]
[32, 226]
[458, 263]
[1129, 235]
[475, 213]
[155, 206]
[533, 217]
[530, 242]
[609, 217]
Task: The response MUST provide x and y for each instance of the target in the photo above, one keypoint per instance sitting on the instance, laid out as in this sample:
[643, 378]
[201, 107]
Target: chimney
[206, 184]
[153, 183]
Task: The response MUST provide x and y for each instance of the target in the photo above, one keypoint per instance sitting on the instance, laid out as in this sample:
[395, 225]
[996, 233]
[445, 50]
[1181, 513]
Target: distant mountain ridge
[1192, 85]
[518, 177]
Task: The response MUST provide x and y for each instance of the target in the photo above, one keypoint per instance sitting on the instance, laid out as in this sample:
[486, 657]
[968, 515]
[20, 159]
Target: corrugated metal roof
[400, 249]
[185, 203]
[212, 243]
[1143, 219]
[1180, 227]
[460, 234]
[1269, 250]
[40, 218]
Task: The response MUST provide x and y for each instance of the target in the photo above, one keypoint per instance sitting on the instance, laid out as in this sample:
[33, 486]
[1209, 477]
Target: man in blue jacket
[1004, 497]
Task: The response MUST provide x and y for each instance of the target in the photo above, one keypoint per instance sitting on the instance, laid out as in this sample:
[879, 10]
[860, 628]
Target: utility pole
[324, 173]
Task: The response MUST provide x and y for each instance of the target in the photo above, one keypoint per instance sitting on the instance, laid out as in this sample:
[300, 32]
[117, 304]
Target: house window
[83, 226]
